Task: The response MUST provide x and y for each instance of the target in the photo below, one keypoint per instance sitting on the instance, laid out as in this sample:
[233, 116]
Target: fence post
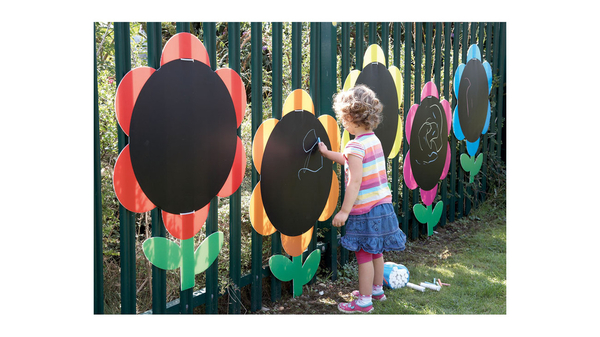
[448, 46]
[359, 42]
[345, 71]
[126, 218]
[502, 60]
[406, 100]
[396, 161]
[186, 305]
[417, 100]
[235, 200]
[277, 106]
[159, 276]
[328, 83]
[98, 254]
[315, 94]
[256, 68]
[212, 223]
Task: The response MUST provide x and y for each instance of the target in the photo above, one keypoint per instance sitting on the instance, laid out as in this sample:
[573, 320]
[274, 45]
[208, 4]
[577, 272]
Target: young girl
[371, 223]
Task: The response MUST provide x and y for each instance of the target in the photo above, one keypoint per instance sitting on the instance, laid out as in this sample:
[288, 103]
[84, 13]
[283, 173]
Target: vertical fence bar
[186, 296]
[235, 200]
[501, 135]
[385, 41]
[126, 218]
[481, 37]
[328, 81]
[372, 33]
[359, 41]
[315, 94]
[393, 164]
[417, 99]
[437, 80]
[212, 221]
[345, 42]
[296, 55]
[461, 175]
[182, 27]
[428, 54]
[438, 56]
[480, 197]
[446, 92]
[453, 168]
[407, 104]
[277, 99]
[469, 186]
[256, 69]
[98, 254]
[495, 147]
[396, 161]
[159, 278]
[488, 41]
[296, 59]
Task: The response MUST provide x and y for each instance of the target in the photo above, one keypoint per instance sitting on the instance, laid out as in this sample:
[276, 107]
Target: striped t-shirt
[374, 188]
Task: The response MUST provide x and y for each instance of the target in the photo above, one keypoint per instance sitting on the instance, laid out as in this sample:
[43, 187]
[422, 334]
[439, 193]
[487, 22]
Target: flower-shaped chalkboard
[297, 186]
[183, 149]
[428, 159]
[388, 86]
[472, 86]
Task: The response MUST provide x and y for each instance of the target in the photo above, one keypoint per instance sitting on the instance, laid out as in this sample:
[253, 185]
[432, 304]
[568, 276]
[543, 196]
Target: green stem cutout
[471, 165]
[285, 269]
[426, 215]
[166, 254]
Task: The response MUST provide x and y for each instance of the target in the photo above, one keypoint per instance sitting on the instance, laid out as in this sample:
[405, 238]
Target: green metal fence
[422, 51]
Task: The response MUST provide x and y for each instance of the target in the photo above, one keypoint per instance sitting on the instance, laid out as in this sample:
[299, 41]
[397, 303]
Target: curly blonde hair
[358, 105]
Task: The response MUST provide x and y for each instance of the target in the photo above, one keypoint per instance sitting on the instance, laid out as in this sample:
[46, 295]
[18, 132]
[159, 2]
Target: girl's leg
[378, 271]
[365, 285]
[365, 278]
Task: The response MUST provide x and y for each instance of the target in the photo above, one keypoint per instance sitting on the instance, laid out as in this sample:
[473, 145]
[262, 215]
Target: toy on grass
[388, 86]
[396, 276]
[428, 159]
[183, 150]
[472, 85]
[297, 187]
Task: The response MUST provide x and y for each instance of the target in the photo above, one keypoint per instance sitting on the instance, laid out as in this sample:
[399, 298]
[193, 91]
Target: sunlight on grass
[476, 274]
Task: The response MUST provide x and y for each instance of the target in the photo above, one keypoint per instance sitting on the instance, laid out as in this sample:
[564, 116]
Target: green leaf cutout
[285, 269]
[466, 162]
[309, 269]
[427, 216]
[471, 165]
[476, 166]
[207, 252]
[162, 252]
[282, 268]
[420, 213]
[435, 217]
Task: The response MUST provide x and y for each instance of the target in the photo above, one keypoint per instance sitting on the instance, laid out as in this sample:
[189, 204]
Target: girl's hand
[340, 219]
[322, 148]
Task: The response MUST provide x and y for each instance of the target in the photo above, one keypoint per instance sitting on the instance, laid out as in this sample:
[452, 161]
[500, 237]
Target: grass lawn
[473, 262]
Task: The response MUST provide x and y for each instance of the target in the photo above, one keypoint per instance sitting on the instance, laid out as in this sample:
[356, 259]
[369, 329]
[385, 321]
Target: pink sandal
[352, 307]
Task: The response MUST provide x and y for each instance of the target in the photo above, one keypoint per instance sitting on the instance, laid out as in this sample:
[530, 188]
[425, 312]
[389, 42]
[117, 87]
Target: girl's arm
[354, 181]
[331, 155]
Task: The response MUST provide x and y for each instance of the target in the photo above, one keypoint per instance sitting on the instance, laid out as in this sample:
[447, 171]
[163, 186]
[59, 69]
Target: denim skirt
[375, 232]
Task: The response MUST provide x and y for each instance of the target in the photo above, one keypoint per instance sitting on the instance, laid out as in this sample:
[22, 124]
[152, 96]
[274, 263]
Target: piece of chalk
[318, 139]
[415, 287]
[430, 286]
